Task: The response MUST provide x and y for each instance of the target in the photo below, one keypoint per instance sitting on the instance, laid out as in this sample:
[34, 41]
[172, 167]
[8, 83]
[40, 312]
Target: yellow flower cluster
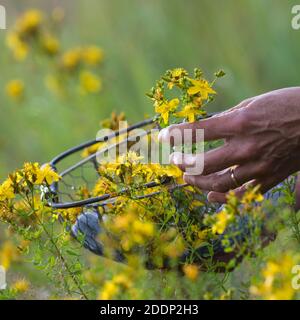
[223, 219]
[7, 190]
[276, 281]
[8, 254]
[31, 174]
[37, 33]
[15, 89]
[30, 31]
[128, 170]
[131, 231]
[18, 198]
[90, 56]
[227, 215]
[191, 271]
[35, 174]
[21, 286]
[113, 288]
[89, 82]
[79, 59]
[70, 214]
[195, 93]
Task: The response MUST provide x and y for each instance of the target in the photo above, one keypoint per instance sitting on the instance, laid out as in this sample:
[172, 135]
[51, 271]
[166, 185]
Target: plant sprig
[189, 105]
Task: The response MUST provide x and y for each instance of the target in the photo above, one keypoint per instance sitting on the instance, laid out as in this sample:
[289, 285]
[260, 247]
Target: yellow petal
[193, 90]
[191, 117]
[174, 102]
[165, 116]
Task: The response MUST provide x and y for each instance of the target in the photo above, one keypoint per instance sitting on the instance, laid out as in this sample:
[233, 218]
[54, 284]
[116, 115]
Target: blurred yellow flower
[119, 283]
[50, 44]
[18, 47]
[6, 190]
[92, 55]
[129, 158]
[8, 254]
[89, 82]
[277, 279]
[71, 214]
[21, 285]
[109, 291]
[145, 228]
[71, 58]
[223, 218]
[201, 86]
[252, 195]
[191, 271]
[30, 21]
[15, 89]
[165, 108]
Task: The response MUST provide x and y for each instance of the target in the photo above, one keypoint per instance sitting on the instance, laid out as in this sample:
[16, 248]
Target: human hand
[261, 139]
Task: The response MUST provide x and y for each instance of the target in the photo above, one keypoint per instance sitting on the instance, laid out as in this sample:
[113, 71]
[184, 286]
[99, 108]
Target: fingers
[219, 126]
[266, 184]
[222, 181]
[242, 104]
[221, 197]
[212, 161]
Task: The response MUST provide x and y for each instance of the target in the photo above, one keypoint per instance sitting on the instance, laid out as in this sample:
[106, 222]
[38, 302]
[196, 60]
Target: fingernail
[210, 197]
[164, 135]
[175, 158]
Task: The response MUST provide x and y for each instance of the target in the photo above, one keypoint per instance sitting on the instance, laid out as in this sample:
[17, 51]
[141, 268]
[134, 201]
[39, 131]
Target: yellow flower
[92, 55]
[171, 171]
[277, 276]
[50, 44]
[191, 271]
[71, 58]
[122, 279]
[8, 254]
[201, 86]
[30, 21]
[46, 174]
[89, 82]
[122, 222]
[130, 157]
[110, 290]
[104, 186]
[175, 248]
[6, 190]
[15, 89]
[222, 220]
[145, 228]
[165, 108]
[175, 76]
[190, 111]
[12, 39]
[71, 214]
[19, 48]
[35, 174]
[21, 286]
[251, 196]
[30, 171]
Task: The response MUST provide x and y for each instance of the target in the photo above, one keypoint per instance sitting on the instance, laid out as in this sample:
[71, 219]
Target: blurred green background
[252, 40]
